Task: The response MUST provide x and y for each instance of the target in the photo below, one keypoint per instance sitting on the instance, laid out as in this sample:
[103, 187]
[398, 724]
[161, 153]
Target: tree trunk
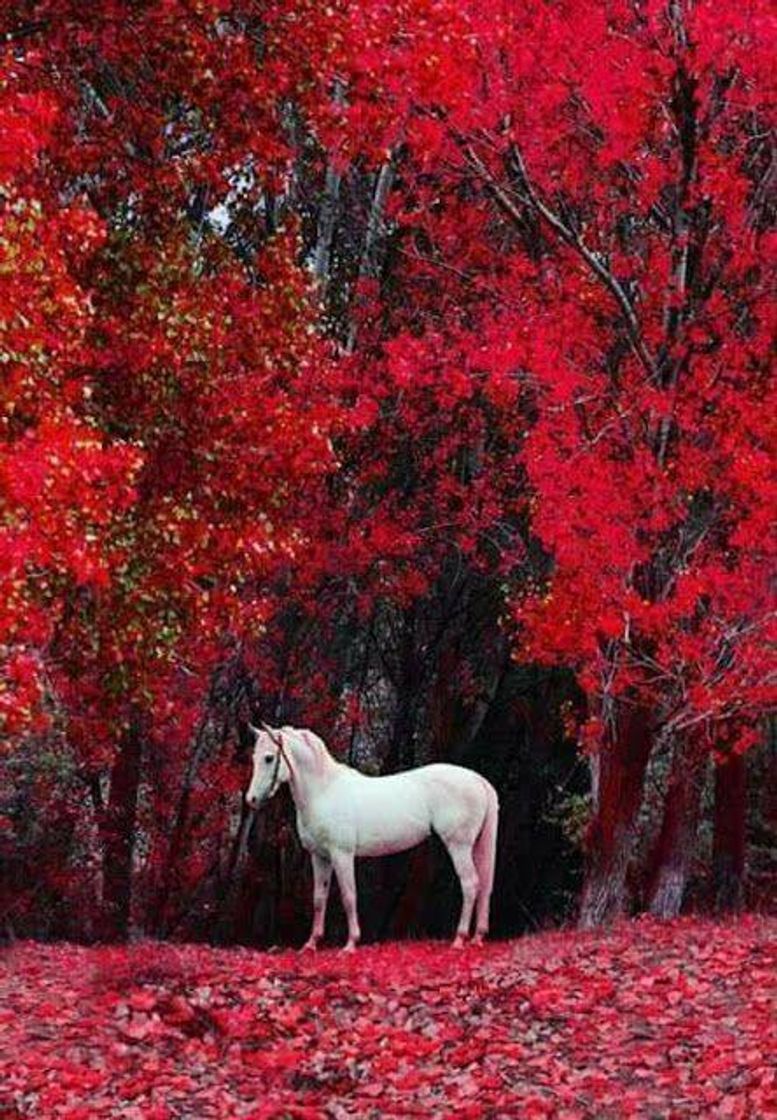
[728, 848]
[622, 762]
[118, 836]
[401, 753]
[166, 893]
[671, 862]
[326, 224]
[327, 216]
[225, 919]
[374, 245]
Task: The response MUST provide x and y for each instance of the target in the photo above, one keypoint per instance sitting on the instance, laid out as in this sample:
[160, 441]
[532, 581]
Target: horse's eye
[268, 759]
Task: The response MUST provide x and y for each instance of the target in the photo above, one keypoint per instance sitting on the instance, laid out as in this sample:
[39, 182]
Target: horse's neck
[307, 782]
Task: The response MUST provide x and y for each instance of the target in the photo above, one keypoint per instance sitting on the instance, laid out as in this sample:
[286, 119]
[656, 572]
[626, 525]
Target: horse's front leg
[346, 878]
[322, 876]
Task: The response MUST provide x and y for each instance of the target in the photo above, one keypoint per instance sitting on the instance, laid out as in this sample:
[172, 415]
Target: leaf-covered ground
[649, 1019]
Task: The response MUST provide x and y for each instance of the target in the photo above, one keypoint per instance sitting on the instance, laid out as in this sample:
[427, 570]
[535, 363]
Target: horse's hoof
[309, 946]
[458, 941]
[350, 947]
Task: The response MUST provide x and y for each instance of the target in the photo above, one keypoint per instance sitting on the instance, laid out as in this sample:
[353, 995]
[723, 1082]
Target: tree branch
[569, 236]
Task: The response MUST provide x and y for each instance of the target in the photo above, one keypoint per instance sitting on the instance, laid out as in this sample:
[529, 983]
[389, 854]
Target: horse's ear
[251, 727]
[275, 735]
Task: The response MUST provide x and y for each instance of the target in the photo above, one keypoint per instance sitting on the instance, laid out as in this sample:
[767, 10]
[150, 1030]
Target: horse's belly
[385, 841]
[381, 830]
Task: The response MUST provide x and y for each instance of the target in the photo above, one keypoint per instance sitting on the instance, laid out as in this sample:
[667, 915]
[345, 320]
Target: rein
[281, 754]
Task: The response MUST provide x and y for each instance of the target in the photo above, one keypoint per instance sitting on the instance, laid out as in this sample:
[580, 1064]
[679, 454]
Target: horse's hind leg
[484, 855]
[461, 855]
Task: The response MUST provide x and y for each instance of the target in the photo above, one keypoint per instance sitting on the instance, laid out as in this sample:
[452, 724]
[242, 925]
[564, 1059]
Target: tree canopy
[363, 362]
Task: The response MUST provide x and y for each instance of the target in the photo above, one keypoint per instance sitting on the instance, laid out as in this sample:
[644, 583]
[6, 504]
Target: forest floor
[645, 1020]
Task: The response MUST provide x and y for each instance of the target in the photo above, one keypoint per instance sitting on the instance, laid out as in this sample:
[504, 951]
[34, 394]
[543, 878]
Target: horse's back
[438, 781]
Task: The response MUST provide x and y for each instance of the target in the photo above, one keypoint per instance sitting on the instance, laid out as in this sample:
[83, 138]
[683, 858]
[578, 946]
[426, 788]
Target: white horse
[342, 814]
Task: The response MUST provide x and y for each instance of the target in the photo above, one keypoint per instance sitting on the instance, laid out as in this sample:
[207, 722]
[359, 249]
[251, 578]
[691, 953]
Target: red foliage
[650, 1019]
[63, 483]
[565, 383]
[624, 295]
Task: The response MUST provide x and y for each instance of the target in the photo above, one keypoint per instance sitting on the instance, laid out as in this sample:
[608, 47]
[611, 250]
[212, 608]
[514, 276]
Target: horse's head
[270, 762]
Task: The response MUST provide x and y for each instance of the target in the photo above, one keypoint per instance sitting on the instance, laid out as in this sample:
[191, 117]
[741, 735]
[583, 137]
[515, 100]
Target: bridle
[281, 754]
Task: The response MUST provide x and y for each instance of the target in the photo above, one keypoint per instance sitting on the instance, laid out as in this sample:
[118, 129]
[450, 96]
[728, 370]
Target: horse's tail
[484, 855]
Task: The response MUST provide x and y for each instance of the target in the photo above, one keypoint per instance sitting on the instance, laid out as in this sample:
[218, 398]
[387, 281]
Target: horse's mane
[315, 743]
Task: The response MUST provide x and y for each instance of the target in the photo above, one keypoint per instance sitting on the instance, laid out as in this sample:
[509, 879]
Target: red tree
[64, 484]
[609, 168]
[202, 370]
[549, 366]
